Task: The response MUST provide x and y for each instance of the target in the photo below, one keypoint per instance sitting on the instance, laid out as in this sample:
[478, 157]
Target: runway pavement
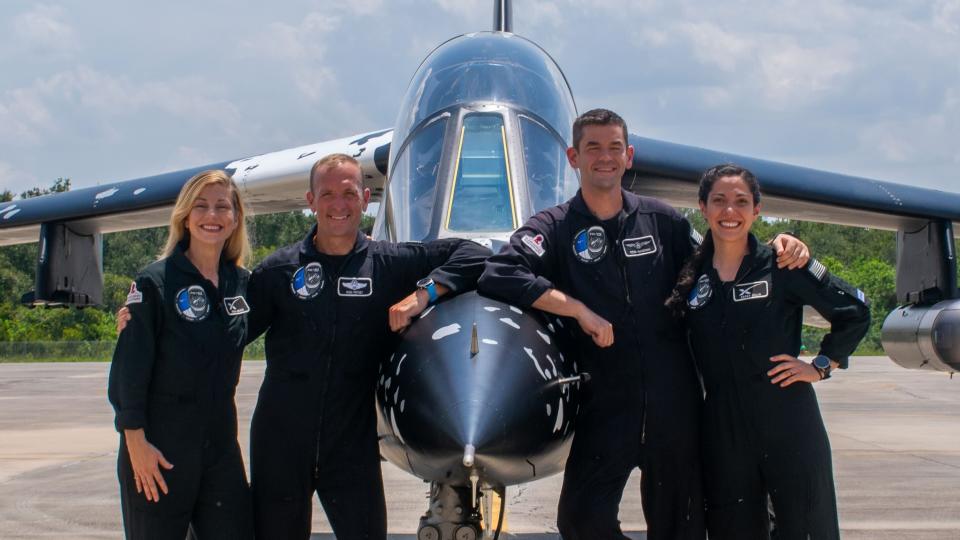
[895, 436]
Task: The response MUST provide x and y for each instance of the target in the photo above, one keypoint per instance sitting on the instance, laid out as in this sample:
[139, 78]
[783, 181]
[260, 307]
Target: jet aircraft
[479, 395]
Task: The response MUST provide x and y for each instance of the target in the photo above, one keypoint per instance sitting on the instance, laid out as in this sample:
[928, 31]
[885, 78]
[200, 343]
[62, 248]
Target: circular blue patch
[701, 293]
[192, 304]
[590, 245]
[307, 281]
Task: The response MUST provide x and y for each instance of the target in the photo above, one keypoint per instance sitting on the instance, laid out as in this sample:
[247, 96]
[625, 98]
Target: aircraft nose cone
[490, 397]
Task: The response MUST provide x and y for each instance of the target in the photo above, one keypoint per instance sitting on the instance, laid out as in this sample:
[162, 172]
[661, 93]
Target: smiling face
[338, 200]
[601, 157]
[212, 218]
[729, 209]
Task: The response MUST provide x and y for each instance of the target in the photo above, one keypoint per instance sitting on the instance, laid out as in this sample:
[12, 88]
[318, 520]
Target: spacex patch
[236, 305]
[751, 291]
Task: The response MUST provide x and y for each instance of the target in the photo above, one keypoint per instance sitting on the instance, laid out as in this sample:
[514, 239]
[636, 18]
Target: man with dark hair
[608, 259]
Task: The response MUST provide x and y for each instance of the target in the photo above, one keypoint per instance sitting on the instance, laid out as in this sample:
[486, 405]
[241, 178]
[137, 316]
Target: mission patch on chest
[751, 291]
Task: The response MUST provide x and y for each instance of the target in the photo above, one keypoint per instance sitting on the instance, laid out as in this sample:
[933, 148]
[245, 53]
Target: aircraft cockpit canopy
[480, 144]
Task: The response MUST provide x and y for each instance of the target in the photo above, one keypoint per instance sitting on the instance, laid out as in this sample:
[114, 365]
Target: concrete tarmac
[895, 436]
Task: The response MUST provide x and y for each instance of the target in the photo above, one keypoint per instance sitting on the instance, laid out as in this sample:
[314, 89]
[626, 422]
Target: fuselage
[477, 386]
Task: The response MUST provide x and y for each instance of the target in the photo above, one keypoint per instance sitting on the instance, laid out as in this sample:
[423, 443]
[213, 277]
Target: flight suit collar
[309, 251]
[757, 254]
[180, 260]
[631, 203]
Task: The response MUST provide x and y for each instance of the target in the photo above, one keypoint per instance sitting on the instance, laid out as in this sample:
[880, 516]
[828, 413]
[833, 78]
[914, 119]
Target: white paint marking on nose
[559, 423]
[549, 410]
[489, 341]
[139, 190]
[448, 330]
[12, 213]
[509, 322]
[400, 363]
[516, 310]
[396, 430]
[535, 363]
[491, 308]
[544, 337]
[427, 311]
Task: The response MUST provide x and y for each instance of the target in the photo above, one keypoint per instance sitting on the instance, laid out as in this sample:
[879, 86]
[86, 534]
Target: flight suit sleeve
[521, 272]
[261, 306]
[134, 355]
[452, 262]
[837, 301]
[686, 239]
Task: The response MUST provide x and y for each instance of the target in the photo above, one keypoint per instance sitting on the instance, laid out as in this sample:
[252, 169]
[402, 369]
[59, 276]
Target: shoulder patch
[535, 243]
[817, 269]
[134, 296]
[696, 236]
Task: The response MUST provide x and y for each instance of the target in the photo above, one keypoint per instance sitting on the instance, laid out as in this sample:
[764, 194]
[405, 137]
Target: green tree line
[863, 257]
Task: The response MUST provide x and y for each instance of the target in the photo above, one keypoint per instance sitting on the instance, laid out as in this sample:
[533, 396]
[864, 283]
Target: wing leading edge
[671, 171]
[271, 182]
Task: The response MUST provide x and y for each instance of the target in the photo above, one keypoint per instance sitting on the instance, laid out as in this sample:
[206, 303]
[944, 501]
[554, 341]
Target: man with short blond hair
[328, 305]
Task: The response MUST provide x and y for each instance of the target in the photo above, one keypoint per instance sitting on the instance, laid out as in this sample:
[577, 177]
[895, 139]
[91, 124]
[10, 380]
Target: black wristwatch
[428, 285]
[823, 365]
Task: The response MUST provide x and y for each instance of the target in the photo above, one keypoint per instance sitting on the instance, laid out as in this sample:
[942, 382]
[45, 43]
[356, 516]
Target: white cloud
[793, 75]
[15, 180]
[715, 46]
[44, 29]
[27, 114]
[946, 16]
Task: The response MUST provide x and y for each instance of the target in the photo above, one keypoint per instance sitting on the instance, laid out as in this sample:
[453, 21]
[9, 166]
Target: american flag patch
[817, 269]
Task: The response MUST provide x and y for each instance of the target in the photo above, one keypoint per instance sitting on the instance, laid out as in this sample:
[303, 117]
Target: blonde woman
[175, 372]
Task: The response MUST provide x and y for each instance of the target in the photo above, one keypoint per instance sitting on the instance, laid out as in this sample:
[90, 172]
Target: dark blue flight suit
[641, 405]
[759, 438]
[314, 427]
[174, 374]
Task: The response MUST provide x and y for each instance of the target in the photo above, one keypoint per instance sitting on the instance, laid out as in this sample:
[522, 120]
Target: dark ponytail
[677, 302]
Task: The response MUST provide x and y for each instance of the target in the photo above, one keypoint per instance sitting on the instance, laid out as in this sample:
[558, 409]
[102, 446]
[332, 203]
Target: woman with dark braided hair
[762, 430]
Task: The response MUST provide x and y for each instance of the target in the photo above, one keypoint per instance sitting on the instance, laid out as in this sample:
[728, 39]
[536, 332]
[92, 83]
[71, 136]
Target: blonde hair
[237, 247]
[330, 161]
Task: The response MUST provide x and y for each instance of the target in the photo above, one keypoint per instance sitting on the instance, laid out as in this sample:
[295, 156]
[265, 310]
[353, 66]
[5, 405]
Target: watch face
[424, 283]
[821, 362]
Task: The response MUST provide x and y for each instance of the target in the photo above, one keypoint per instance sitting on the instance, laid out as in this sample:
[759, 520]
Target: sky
[113, 90]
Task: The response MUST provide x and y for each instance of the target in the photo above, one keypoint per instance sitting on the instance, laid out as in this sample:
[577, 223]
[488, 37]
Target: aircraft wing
[271, 182]
[671, 172]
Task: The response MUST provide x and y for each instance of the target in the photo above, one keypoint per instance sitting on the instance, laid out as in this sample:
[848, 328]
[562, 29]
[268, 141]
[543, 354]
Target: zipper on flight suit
[326, 374]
